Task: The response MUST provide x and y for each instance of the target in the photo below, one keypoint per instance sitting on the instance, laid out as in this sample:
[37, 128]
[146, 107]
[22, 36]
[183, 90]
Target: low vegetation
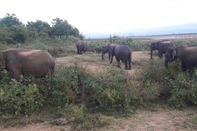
[84, 97]
[74, 92]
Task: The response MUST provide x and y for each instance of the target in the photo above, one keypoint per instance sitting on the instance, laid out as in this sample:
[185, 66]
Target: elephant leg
[130, 65]
[118, 62]
[183, 67]
[109, 56]
[160, 54]
[111, 59]
[15, 73]
[84, 50]
[127, 65]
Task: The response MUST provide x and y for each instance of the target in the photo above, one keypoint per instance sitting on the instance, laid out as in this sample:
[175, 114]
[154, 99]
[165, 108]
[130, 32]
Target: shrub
[112, 91]
[183, 89]
[176, 87]
[17, 98]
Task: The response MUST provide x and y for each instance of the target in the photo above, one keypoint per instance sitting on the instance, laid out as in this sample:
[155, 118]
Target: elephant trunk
[103, 55]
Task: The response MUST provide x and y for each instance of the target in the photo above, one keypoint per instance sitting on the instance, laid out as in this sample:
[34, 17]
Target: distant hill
[178, 29]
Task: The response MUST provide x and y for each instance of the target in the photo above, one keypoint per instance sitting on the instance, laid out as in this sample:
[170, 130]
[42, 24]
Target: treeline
[13, 31]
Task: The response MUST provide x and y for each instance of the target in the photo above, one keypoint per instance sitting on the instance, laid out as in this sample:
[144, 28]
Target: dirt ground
[155, 119]
[152, 119]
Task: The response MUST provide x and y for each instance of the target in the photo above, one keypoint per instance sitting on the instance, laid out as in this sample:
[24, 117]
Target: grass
[92, 91]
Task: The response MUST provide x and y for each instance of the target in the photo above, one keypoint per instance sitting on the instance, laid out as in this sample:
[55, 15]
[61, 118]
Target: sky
[104, 16]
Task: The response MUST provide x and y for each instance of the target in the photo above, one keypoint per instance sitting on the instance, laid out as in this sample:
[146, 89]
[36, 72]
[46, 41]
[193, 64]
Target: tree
[40, 29]
[10, 20]
[40, 26]
[19, 33]
[12, 30]
[60, 27]
[63, 28]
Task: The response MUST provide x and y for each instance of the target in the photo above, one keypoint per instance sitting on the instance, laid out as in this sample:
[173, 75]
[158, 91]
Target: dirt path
[157, 119]
[154, 119]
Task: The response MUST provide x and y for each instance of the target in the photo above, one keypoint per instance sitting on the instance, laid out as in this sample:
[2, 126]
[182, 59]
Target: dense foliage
[13, 31]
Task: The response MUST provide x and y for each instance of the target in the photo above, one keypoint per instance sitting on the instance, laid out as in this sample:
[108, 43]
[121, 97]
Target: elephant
[187, 55]
[162, 46]
[108, 49]
[81, 45]
[123, 53]
[26, 62]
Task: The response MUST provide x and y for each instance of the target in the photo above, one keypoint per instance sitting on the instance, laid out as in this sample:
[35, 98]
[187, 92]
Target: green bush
[112, 91]
[178, 88]
[71, 85]
[17, 98]
[182, 87]
[152, 71]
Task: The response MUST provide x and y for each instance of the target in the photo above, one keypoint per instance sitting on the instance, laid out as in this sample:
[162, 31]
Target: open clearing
[155, 118]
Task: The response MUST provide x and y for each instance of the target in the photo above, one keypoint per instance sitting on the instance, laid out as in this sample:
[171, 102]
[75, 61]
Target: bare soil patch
[155, 119]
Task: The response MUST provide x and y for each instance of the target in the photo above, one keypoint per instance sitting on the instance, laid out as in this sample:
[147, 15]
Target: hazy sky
[109, 16]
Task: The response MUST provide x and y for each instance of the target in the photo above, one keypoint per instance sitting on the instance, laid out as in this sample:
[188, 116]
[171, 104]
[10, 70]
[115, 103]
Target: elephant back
[186, 51]
[80, 42]
[122, 50]
[37, 63]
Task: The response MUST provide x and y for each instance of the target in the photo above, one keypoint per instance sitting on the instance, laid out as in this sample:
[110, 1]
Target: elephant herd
[121, 52]
[40, 63]
[186, 54]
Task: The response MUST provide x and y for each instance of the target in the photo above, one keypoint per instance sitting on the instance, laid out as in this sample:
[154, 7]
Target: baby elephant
[123, 53]
[37, 63]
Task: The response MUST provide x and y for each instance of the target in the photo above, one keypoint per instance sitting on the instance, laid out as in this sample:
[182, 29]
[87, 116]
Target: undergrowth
[107, 92]
[74, 92]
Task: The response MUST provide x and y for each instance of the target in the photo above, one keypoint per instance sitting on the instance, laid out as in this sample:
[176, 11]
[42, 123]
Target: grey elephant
[123, 53]
[187, 55]
[17, 62]
[81, 45]
[162, 46]
[108, 49]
